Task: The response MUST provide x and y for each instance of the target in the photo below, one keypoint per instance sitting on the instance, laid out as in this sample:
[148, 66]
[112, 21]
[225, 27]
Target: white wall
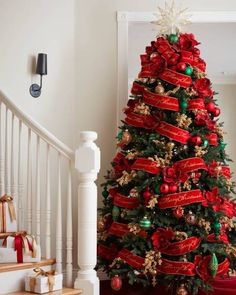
[28, 27]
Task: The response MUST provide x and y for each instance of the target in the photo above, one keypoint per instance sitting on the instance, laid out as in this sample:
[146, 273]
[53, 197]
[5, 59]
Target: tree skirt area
[222, 287]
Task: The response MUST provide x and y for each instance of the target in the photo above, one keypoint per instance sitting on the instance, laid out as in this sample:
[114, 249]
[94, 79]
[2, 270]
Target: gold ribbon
[9, 200]
[40, 272]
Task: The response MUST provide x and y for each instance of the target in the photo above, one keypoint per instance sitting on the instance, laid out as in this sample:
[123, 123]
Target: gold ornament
[159, 89]
[126, 138]
[191, 218]
[198, 73]
[126, 177]
[182, 290]
[183, 121]
[229, 224]
[180, 236]
[152, 202]
[142, 109]
[201, 222]
[152, 259]
[116, 263]
[190, 91]
[132, 154]
[199, 151]
[187, 185]
[102, 236]
[101, 224]
[160, 161]
[170, 145]
[134, 228]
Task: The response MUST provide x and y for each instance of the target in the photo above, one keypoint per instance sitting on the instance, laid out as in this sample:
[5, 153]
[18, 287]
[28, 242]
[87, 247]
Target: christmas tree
[168, 205]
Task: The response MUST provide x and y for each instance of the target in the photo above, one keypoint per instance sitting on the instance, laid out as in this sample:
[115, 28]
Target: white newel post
[87, 163]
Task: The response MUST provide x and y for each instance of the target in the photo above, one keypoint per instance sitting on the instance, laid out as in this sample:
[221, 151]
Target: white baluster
[88, 164]
[48, 206]
[13, 188]
[59, 222]
[20, 180]
[38, 190]
[7, 191]
[2, 176]
[69, 236]
[29, 184]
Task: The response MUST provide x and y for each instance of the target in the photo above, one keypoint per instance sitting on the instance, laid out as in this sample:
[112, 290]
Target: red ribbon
[175, 78]
[147, 165]
[125, 202]
[196, 103]
[161, 101]
[190, 165]
[121, 229]
[181, 199]
[176, 268]
[19, 248]
[202, 264]
[131, 259]
[221, 238]
[142, 121]
[106, 252]
[137, 89]
[173, 132]
[182, 247]
[193, 60]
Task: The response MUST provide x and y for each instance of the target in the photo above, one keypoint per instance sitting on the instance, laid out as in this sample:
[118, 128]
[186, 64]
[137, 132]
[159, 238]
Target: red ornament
[173, 188]
[147, 194]
[178, 212]
[164, 188]
[216, 112]
[181, 66]
[210, 106]
[116, 283]
[196, 140]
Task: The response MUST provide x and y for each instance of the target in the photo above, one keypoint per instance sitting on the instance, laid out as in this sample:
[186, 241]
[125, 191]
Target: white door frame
[124, 18]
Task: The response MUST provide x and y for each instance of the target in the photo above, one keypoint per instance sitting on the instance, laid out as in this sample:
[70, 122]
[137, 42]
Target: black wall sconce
[41, 69]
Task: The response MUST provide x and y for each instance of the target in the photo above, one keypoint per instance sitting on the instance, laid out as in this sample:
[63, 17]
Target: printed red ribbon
[190, 165]
[131, 259]
[221, 238]
[106, 252]
[175, 78]
[125, 202]
[161, 101]
[202, 264]
[147, 165]
[121, 229]
[181, 199]
[176, 268]
[182, 247]
[196, 103]
[142, 121]
[173, 132]
[137, 89]
[194, 61]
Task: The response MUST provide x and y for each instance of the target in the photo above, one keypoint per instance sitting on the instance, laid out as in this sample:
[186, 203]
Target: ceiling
[218, 48]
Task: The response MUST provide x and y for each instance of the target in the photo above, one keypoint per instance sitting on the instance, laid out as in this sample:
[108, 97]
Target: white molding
[125, 18]
[196, 16]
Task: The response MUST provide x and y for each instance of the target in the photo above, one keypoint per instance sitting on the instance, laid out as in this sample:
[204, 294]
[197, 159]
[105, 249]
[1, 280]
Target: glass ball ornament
[181, 66]
[116, 283]
[206, 142]
[145, 223]
[159, 88]
[190, 218]
[188, 71]
[105, 193]
[210, 106]
[157, 189]
[164, 188]
[181, 290]
[178, 212]
[173, 38]
[183, 106]
[119, 135]
[216, 112]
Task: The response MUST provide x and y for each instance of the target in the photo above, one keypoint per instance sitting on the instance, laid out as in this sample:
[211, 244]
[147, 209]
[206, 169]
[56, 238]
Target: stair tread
[6, 267]
[64, 291]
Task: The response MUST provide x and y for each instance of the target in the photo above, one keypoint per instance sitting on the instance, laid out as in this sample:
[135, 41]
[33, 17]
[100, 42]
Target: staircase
[38, 171]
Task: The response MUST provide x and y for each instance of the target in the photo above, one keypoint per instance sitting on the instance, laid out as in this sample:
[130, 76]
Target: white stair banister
[48, 206]
[6, 155]
[20, 179]
[59, 221]
[88, 165]
[2, 176]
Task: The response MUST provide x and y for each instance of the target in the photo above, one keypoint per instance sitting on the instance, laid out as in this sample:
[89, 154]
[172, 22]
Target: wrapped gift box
[19, 248]
[43, 282]
[7, 214]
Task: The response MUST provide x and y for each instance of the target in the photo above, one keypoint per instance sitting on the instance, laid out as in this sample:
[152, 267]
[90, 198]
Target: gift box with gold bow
[19, 247]
[41, 281]
[7, 214]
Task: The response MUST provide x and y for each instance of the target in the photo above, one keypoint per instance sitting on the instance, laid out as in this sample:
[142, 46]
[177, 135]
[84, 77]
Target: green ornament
[105, 193]
[115, 213]
[213, 265]
[183, 106]
[119, 136]
[173, 38]
[157, 189]
[216, 226]
[222, 146]
[188, 71]
[145, 223]
[205, 142]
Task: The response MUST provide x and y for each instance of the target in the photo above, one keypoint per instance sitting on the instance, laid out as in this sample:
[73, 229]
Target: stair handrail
[37, 128]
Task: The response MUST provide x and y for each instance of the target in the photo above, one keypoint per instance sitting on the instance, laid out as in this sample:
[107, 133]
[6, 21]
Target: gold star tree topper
[172, 19]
